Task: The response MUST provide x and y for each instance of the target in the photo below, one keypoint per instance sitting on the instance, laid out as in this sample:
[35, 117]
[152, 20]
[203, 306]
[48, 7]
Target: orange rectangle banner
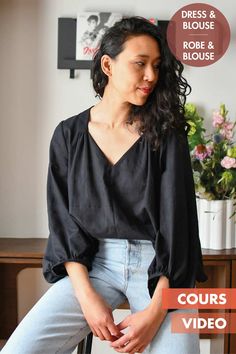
[207, 298]
[203, 322]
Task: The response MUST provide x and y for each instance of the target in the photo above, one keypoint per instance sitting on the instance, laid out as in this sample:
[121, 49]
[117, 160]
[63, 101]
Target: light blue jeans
[56, 323]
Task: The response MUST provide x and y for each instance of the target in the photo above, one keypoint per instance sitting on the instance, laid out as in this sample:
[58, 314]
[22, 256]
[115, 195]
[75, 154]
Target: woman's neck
[110, 113]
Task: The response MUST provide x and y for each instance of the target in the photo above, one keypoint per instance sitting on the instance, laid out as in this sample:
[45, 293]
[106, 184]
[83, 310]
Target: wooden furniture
[19, 253]
[15, 255]
[233, 285]
[219, 267]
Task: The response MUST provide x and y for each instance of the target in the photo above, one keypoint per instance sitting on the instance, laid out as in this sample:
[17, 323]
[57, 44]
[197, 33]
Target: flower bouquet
[213, 156]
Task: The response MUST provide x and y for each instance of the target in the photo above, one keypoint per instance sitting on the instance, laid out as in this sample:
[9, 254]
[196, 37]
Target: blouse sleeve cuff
[154, 278]
[56, 271]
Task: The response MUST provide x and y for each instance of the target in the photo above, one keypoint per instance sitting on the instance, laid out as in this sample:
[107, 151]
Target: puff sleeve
[67, 241]
[177, 245]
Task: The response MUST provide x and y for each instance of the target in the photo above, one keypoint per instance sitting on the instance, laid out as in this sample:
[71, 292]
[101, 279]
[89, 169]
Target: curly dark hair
[164, 108]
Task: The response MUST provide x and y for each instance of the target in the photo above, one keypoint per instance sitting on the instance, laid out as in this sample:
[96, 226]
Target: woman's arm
[67, 241]
[96, 310]
[155, 305]
[79, 277]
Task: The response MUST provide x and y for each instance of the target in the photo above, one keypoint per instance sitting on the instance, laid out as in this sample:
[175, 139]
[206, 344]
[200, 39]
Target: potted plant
[213, 158]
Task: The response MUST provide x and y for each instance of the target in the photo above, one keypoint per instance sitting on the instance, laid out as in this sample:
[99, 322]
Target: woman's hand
[95, 309]
[98, 314]
[143, 327]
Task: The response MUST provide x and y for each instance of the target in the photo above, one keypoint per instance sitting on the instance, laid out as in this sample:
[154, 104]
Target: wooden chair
[85, 346]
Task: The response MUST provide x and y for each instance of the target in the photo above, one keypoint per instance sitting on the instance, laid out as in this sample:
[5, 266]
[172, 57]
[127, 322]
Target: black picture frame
[66, 58]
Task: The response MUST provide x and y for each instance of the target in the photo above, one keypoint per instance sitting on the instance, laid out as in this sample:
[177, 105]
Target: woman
[121, 206]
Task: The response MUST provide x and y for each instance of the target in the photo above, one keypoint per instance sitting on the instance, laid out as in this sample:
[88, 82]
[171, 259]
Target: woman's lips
[145, 90]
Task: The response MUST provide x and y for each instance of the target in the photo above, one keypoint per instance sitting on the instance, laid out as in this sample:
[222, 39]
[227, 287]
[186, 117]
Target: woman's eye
[141, 64]
[157, 67]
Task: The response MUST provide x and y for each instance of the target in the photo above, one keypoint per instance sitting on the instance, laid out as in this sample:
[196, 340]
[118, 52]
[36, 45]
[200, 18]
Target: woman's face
[134, 72]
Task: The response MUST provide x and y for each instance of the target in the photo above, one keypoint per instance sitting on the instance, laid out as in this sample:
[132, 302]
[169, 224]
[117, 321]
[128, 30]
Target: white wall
[35, 96]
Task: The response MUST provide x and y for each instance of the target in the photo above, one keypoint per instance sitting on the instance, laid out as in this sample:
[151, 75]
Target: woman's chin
[139, 101]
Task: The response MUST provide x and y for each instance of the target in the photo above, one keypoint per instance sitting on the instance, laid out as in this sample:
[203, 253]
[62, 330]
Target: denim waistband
[124, 240]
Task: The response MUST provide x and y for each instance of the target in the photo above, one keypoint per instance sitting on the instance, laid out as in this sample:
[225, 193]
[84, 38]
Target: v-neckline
[112, 165]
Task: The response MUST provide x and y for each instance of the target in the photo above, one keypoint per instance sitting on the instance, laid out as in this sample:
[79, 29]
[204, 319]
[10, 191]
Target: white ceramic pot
[216, 229]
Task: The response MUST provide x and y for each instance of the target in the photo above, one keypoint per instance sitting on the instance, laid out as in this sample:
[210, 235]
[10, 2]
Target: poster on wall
[91, 27]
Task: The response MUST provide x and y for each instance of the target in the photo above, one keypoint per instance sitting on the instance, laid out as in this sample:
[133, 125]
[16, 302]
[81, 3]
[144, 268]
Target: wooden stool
[85, 346]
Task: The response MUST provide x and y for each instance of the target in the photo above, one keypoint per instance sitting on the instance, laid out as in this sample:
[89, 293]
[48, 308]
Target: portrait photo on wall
[90, 28]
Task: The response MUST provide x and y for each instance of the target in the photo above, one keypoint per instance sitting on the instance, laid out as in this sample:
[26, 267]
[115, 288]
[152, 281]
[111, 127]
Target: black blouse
[146, 194]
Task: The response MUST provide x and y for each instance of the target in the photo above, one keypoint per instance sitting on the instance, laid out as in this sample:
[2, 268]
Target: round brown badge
[198, 34]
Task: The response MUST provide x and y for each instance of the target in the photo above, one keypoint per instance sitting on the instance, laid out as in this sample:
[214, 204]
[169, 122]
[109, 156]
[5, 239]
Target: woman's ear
[106, 65]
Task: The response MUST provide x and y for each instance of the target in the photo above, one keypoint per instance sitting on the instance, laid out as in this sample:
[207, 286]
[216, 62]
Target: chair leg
[85, 346]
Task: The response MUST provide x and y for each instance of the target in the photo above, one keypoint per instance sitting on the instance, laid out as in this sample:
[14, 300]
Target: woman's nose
[150, 74]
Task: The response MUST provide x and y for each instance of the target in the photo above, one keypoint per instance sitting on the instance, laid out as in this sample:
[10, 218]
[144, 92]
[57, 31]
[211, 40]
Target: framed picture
[90, 29]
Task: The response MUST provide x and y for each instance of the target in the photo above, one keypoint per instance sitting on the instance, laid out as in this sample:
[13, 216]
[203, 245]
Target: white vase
[216, 229]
